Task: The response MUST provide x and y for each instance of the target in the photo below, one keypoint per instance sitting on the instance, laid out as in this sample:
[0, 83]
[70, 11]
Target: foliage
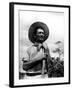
[59, 49]
[56, 68]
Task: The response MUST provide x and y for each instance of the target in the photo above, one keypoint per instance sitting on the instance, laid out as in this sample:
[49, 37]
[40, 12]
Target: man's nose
[41, 34]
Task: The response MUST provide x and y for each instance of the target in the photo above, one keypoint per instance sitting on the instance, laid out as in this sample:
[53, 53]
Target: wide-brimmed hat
[34, 27]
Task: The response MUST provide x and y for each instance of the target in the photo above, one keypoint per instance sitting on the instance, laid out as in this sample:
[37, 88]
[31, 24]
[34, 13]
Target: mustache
[42, 36]
[37, 37]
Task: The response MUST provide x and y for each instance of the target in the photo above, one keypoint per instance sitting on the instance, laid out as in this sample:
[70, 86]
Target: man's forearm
[27, 65]
[32, 61]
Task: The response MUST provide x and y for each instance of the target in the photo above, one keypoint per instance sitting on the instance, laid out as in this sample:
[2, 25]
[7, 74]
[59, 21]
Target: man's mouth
[41, 38]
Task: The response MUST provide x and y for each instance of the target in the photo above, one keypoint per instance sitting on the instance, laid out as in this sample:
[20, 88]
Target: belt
[34, 73]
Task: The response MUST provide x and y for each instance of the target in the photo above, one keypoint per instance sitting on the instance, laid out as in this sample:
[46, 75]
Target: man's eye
[41, 33]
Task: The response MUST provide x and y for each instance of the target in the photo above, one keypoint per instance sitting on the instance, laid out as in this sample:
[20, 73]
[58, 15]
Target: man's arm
[27, 65]
[33, 60]
[38, 57]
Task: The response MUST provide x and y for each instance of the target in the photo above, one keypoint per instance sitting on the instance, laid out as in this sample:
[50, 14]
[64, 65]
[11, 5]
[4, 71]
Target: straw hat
[33, 29]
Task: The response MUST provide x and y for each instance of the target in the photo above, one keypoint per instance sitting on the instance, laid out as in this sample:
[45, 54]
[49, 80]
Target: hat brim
[36, 25]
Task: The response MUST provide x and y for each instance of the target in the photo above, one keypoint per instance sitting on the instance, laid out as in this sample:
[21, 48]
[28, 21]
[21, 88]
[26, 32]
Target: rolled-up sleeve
[26, 56]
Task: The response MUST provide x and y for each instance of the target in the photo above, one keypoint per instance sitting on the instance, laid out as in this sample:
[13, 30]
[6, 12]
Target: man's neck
[36, 43]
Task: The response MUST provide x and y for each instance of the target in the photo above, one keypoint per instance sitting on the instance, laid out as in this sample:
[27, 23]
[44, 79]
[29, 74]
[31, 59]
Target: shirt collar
[37, 44]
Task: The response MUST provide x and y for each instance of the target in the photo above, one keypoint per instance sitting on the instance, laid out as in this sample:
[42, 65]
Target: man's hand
[45, 46]
[40, 55]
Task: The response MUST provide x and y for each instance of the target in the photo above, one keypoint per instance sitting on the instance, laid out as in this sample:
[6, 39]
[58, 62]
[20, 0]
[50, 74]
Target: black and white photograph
[41, 44]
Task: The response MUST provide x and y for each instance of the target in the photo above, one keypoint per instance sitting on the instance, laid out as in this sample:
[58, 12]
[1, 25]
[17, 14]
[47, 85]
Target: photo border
[11, 42]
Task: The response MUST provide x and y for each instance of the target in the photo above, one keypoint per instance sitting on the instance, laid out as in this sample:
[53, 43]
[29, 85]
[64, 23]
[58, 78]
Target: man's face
[40, 35]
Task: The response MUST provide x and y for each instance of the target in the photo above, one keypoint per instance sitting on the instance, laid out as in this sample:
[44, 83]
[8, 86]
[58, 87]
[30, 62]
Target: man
[38, 54]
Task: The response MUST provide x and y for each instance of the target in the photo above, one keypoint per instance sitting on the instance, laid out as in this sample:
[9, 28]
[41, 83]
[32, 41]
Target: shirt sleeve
[26, 56]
